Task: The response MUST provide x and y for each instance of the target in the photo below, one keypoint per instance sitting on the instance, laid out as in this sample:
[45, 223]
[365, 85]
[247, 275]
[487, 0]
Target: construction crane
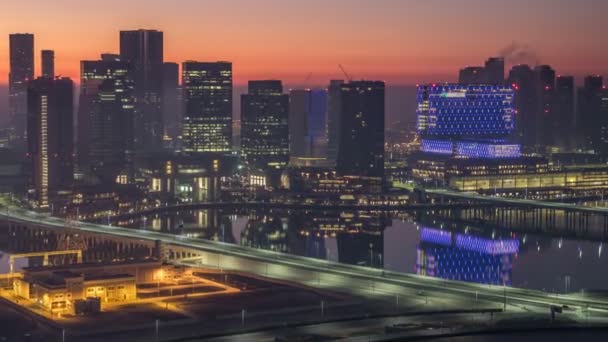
[345, 73]
[308, 77]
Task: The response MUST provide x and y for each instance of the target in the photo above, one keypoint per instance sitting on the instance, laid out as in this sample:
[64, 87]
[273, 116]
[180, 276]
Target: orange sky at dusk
[400, 41]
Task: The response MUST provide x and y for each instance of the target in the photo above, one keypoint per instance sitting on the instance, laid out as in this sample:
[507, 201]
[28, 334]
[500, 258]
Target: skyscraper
[317, 123]
[495, 70]
[593, 114]
[299, 107]
[334, 109]
[48, 63]
[21, 46]
[466, 120]
[207, 123]
[563, 130]
[521, 78]
[361, 149]
[472, 75]
[544, 79]
[143, 49]
[172, 114]
[106, 116]
[264, 125]
[50, 136]
[307, 109]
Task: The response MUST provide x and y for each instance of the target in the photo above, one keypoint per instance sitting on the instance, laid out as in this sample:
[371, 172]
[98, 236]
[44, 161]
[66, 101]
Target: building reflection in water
[359, 237]
[456, 256]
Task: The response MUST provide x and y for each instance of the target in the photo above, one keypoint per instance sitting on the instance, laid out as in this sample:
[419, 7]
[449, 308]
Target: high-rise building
[207, 92]
[593, 114]
[264, 125]
[172, 114]
[317, 123]
[299, 108]
[334, 109]
[143, 49]
[307, 108]
[544, 79]
[472, 75]
[50, 136]
[467, 121]
[21, 46]
[106, 116]
[521, 78]
[563, 133]
[495, 70]
[361, 148]
[48, 63]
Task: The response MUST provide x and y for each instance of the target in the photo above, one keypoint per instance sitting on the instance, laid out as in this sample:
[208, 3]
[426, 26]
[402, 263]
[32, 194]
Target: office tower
[361, 149]
[495, 70]
[563, 132]
[264, 125]
[521, 78]
[21, 46]
[472, 75]
[317, 123]
[171, 106]
[544, 80]
[334, 108]
[50, 136]
[106, 116]
[143, 49]
[467, 121]
[593, 114]
[307, 122]
[299, 107]
[207, 91]
[48, 63]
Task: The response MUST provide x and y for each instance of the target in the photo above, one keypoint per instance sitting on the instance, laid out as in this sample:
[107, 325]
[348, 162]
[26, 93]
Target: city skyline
[396, 45]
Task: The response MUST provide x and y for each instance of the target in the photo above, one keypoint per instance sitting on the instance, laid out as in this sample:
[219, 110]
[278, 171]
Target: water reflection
[465, 257]
[405, 242]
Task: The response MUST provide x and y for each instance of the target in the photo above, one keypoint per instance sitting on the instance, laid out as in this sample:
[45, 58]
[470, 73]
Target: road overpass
[322, 273]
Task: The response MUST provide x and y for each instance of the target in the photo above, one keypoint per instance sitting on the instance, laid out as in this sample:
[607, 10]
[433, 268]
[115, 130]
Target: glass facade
[264, 125]
[106, 116]
[207, 123]
[463, 110]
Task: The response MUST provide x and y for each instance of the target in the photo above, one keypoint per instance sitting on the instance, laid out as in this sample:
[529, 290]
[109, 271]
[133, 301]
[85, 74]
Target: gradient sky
[400, 41]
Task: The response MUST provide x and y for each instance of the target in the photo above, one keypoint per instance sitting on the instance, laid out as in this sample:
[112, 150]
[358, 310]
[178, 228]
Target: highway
[376, 282]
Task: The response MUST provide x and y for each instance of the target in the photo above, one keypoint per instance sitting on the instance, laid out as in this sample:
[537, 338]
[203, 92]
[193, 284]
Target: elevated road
[335, 275]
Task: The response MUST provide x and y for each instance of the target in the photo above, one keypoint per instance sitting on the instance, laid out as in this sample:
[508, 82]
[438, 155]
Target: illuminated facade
[464, 257]
[50, 132]
[106, 117]
[207, 122]
[470, 121]
[143, 49]
[264, 125]
[465, 111]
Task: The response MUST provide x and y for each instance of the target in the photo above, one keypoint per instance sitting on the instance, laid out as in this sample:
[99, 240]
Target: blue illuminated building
[467, 120]
[448, 255]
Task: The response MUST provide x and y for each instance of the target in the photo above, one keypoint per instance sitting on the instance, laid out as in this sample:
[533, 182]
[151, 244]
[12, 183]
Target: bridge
[513, 202]
[321, 273]
[45, 256]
